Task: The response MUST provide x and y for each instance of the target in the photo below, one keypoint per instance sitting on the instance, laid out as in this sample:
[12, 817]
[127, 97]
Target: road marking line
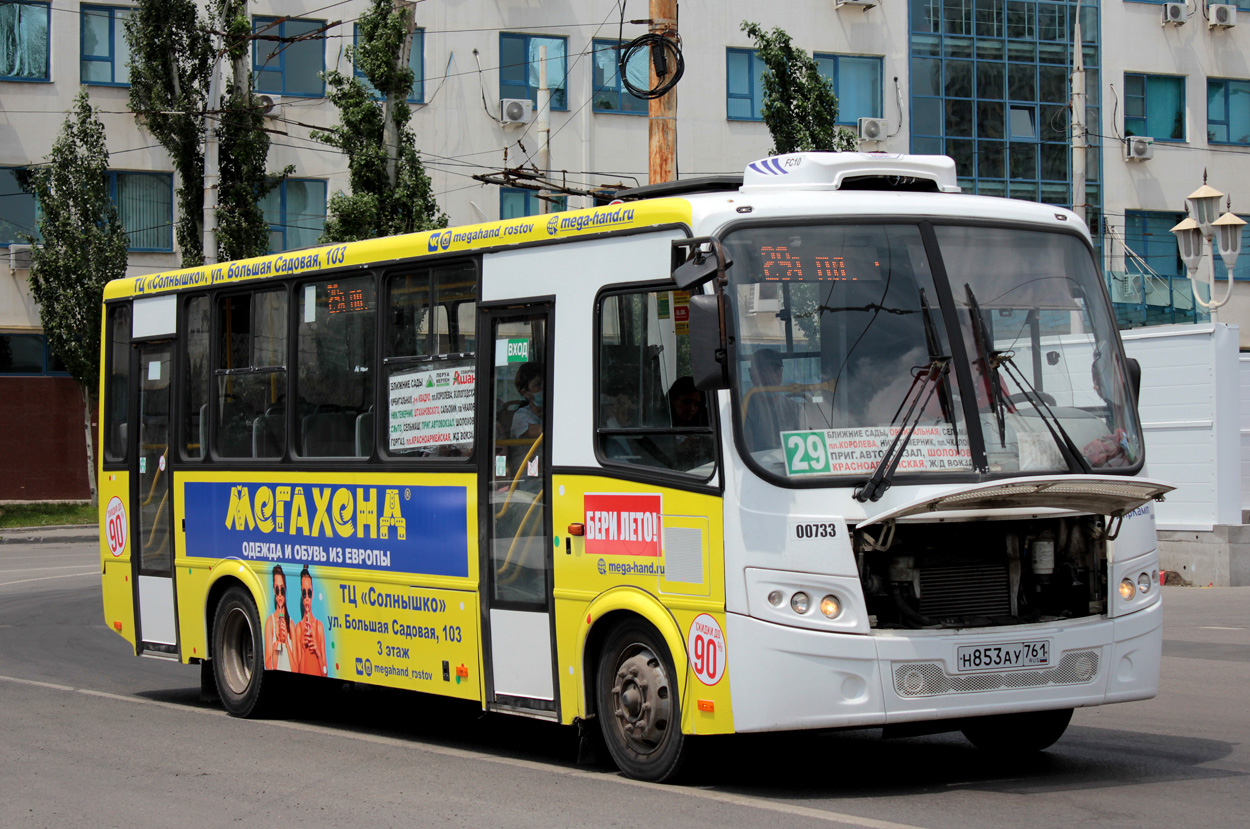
[40, 569]
[531, 765]
[47, 578]
[1216, 627]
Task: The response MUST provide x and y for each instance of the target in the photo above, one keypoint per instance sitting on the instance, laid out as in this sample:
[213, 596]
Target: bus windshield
[843, 343]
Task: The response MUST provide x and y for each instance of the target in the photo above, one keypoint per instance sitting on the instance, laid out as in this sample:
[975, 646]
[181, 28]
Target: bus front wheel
[1023, 733]
[239, 654]
[638, 707]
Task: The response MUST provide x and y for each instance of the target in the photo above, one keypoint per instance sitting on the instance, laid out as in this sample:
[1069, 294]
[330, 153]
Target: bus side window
[430, 360]
[251, 375]
[195, 379]
[334, 367]
[648, 412]
[117, 404]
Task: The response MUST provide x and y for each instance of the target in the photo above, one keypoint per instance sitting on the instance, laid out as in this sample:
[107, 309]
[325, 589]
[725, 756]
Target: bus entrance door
[516, 503]
[152, 493]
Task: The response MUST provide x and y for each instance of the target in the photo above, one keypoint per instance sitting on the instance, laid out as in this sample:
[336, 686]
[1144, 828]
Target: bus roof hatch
[851, 171]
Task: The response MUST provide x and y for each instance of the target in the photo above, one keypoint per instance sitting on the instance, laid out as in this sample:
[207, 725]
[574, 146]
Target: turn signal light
[577, 529]
[707, 705]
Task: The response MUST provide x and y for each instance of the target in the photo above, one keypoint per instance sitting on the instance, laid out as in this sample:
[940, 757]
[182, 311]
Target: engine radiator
[974, 589]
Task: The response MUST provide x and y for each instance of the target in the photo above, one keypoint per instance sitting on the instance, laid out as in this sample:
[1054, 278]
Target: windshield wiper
[930, 377]
[1049, 418]
[989, 366]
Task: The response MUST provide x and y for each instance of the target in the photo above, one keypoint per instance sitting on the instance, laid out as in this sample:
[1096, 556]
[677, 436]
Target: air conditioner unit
[20, 257]
[270, 105]
[1126, 287]
[516, 111]
[1174, 14]
[1221, 17]
[872, 129]
[764, 299]
[1139, 148]
[863, 4]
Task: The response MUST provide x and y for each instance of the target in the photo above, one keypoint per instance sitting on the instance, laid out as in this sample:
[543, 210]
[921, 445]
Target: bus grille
[954, 590]
[926, 679]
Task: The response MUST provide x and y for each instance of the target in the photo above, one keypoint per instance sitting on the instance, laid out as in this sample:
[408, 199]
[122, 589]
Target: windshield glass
[836, 326]
[841, 345]
[1030, 306]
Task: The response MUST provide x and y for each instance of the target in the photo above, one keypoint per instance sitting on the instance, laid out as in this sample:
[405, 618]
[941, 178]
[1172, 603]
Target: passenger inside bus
[527, 421]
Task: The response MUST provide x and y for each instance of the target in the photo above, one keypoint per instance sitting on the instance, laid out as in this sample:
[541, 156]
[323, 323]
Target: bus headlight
[1127, 590]
[800, 603]
[1143, 582]
[831, 607]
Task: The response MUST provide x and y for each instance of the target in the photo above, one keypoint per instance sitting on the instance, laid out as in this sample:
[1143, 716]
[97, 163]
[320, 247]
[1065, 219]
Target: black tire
[1016, 734]
[239, 655]
[638, 707]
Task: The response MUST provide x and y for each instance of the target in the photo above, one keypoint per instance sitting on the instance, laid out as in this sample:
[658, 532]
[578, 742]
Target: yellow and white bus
[833, 446]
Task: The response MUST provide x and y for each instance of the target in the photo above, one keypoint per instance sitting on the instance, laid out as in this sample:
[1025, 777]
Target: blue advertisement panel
[407, 529]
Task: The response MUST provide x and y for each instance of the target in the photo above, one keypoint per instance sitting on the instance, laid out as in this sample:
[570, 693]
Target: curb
[48, 539]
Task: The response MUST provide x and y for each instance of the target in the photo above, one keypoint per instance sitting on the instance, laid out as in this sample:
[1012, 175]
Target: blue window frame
[518, 67]
[1228, 111]
[517, 202]
[24, 38]
[989, 87]
[145, 207]
[296, 213]
[1154, 106]
[610, 94]
[744, 85]
[1148, 233]
[28, 355]
[416, 62]
[283, 67]
[856, 82]
[104, 52]
[17, 210]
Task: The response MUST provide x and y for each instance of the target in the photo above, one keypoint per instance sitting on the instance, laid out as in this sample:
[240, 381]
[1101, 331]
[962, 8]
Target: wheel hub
[641, 700]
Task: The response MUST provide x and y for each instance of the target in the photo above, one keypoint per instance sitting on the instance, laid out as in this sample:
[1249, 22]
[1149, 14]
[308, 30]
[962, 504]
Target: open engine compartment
[961, 574]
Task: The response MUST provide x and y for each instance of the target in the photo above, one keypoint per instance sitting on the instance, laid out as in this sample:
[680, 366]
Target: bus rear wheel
[239, 654]
[638, 707]
[1015, 734]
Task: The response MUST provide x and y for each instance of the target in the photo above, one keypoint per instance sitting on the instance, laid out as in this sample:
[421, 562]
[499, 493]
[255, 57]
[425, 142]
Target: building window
[515, 202]
[990, 88]
[1228, 111]
[296, 213]
[518, 67]
[105, 53]
[744, 85]
[1154, 106]
[24, 41]
[416, 62]
[17, 208]
[1149, 235]
[288, 66]
[145, 207]
[610, 94]
[857, 84]
[28, 355]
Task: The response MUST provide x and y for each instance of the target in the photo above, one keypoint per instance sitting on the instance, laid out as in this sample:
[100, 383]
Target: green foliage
[391, 192]
[83, 243]
[799, 105]
[172, 54]
[170, 57]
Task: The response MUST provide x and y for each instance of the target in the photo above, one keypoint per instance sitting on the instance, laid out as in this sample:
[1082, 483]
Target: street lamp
[1222, 234]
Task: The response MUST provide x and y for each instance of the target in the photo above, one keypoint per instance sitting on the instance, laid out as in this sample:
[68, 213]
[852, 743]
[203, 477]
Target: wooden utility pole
[662, 143]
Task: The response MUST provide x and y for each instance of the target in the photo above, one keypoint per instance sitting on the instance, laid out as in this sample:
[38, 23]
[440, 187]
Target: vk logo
[433, 243]
[553, 225]
[360, 666]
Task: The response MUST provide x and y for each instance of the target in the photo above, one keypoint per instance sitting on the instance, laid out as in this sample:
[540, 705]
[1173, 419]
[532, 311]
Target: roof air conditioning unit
[516, 111]
[1174, 14]
[1221, 17]
[1139, 148]
[863, 4]
[270, 105]
[872, 129]
[20, 257]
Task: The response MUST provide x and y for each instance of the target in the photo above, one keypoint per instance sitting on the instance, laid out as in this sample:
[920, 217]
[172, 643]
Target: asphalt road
[91, 735]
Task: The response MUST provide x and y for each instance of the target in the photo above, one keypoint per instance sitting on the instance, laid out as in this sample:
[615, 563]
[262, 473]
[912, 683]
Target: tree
[799, 105]
[172, 60]
[391, 192]
[81, 246]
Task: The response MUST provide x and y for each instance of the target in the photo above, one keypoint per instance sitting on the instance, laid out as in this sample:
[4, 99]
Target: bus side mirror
[1134, 378]
[709, 362]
